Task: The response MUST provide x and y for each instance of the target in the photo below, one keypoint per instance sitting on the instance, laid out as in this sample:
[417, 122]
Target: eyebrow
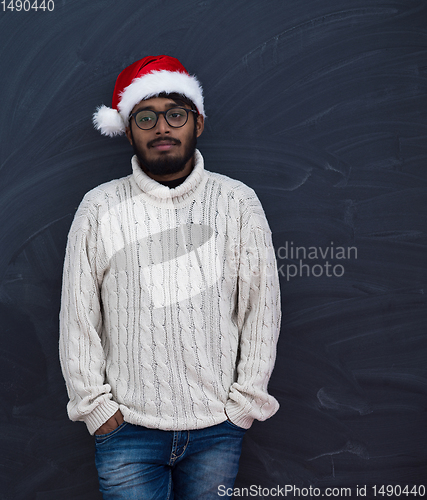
[168, 105]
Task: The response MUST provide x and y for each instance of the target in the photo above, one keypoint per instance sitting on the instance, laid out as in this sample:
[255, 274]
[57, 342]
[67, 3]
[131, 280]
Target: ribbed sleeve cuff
[100, 415]
[239, 415]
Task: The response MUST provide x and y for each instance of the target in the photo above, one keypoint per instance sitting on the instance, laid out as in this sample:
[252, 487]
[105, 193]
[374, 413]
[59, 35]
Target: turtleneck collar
[163, 194]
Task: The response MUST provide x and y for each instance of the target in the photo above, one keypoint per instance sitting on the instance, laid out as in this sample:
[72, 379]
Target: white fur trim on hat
[154, 83]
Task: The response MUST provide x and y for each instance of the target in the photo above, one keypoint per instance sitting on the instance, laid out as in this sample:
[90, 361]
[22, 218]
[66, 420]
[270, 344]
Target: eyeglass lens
[146, 119]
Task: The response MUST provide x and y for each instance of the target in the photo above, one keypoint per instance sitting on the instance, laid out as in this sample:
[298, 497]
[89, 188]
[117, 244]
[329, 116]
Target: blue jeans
[136, 463]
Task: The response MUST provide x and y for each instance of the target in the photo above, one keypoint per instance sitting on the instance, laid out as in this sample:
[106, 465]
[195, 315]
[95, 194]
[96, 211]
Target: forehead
[156, 103]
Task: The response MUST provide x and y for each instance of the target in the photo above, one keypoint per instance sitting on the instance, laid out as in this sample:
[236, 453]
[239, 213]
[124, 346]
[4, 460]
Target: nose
[162, 126]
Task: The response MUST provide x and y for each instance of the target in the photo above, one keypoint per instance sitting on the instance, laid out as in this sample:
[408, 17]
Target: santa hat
[143, 79]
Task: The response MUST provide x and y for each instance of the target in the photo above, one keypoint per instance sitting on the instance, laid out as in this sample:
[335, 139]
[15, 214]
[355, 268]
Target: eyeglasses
[146, 119]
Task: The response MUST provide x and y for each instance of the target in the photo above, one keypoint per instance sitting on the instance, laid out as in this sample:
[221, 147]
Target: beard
[165, 165]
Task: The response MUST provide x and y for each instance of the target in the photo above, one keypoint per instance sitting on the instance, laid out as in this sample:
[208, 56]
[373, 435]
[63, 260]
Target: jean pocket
[234, 426]
[102, 438]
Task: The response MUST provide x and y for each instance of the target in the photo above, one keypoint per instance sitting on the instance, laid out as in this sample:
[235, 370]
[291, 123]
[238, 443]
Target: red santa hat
[143, 79]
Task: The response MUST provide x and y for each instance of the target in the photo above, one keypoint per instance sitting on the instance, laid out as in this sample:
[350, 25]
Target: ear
[200, 125]
[129, 135]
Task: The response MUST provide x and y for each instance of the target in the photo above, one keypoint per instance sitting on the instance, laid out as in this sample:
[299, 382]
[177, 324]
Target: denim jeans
[137, 463]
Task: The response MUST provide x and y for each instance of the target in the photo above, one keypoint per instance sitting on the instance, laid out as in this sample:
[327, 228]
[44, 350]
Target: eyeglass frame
[157, 113]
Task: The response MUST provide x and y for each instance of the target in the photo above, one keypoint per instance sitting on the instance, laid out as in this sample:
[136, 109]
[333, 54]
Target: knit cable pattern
[170, 304]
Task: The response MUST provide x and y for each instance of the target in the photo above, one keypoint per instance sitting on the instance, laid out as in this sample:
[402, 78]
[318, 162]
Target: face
[165, 152]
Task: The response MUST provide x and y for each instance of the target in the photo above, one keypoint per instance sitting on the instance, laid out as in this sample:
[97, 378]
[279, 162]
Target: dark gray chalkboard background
[320, 106]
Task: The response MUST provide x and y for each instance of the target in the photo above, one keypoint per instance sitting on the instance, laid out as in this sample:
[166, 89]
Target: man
[170, 305]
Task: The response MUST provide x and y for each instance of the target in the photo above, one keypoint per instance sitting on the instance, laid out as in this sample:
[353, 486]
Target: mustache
[169, 140]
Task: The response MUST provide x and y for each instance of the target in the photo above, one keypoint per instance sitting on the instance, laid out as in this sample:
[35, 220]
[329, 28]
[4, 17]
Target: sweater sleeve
[259, 322]
[81, 352]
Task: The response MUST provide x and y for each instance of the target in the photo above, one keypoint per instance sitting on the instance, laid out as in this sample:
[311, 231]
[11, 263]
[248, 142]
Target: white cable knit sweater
[170, 304]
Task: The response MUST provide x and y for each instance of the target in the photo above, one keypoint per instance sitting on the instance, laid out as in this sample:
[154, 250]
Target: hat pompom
[108, 121]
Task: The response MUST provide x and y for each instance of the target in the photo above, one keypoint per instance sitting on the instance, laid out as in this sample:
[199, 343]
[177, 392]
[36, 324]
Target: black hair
[180, 99]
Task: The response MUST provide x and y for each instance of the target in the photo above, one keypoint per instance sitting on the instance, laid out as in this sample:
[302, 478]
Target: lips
[163, 144]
